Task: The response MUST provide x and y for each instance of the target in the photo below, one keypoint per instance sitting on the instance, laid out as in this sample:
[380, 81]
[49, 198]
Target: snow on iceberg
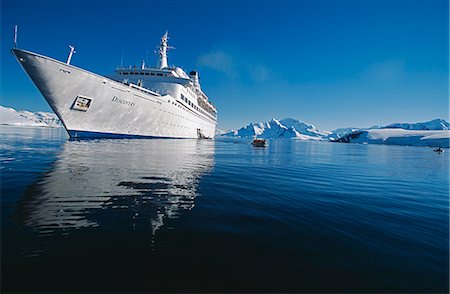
[391, 136]
[12, 117]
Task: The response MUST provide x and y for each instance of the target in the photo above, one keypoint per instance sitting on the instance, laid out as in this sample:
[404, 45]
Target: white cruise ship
[152, 102]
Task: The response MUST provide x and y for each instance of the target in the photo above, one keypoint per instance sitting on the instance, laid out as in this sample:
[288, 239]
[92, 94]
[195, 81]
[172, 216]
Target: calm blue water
[190, 215]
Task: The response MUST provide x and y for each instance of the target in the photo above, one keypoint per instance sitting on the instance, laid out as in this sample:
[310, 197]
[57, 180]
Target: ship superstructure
[142, 101]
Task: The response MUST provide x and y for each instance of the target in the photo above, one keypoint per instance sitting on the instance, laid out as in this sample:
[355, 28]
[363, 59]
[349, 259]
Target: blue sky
[331, 63]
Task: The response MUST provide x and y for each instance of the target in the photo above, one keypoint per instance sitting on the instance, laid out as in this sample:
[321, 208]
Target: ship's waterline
[161, 102]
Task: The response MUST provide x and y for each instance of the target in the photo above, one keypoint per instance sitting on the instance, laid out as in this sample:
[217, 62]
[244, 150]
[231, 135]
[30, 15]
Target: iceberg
[398, 136]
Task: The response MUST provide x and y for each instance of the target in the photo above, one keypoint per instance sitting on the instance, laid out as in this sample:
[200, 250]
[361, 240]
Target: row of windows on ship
[210, 111]
[143, 73]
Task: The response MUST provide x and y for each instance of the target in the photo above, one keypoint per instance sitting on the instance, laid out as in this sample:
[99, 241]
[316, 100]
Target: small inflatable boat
[259, 143]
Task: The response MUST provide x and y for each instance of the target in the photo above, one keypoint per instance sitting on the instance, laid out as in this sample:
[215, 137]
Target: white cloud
[234, 64]
[388, 71]
[258, 72]
[220, 61]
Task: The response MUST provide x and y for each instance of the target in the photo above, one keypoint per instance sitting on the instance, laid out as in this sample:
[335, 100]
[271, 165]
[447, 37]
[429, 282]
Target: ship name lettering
[121, 101]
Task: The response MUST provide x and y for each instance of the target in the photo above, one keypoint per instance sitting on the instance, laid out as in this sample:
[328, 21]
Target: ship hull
[114, 110]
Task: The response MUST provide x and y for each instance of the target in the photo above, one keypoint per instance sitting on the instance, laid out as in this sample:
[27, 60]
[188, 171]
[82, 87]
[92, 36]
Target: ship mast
[162, 61]
[72, 51]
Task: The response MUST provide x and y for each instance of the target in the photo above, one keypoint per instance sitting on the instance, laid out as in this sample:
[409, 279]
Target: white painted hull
[116, 110]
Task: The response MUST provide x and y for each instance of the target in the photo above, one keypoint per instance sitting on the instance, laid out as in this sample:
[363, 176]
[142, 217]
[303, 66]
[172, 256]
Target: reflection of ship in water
[117, 185]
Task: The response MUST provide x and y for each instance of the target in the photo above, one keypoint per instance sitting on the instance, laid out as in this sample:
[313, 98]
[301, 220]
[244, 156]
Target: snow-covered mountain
[435, 124]
[433, 133]
[10, 116]
[391, 136]
[287, 128]
[304, 128]
[272, 129]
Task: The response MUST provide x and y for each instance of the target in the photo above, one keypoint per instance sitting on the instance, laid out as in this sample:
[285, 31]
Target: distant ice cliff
[391, 136]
